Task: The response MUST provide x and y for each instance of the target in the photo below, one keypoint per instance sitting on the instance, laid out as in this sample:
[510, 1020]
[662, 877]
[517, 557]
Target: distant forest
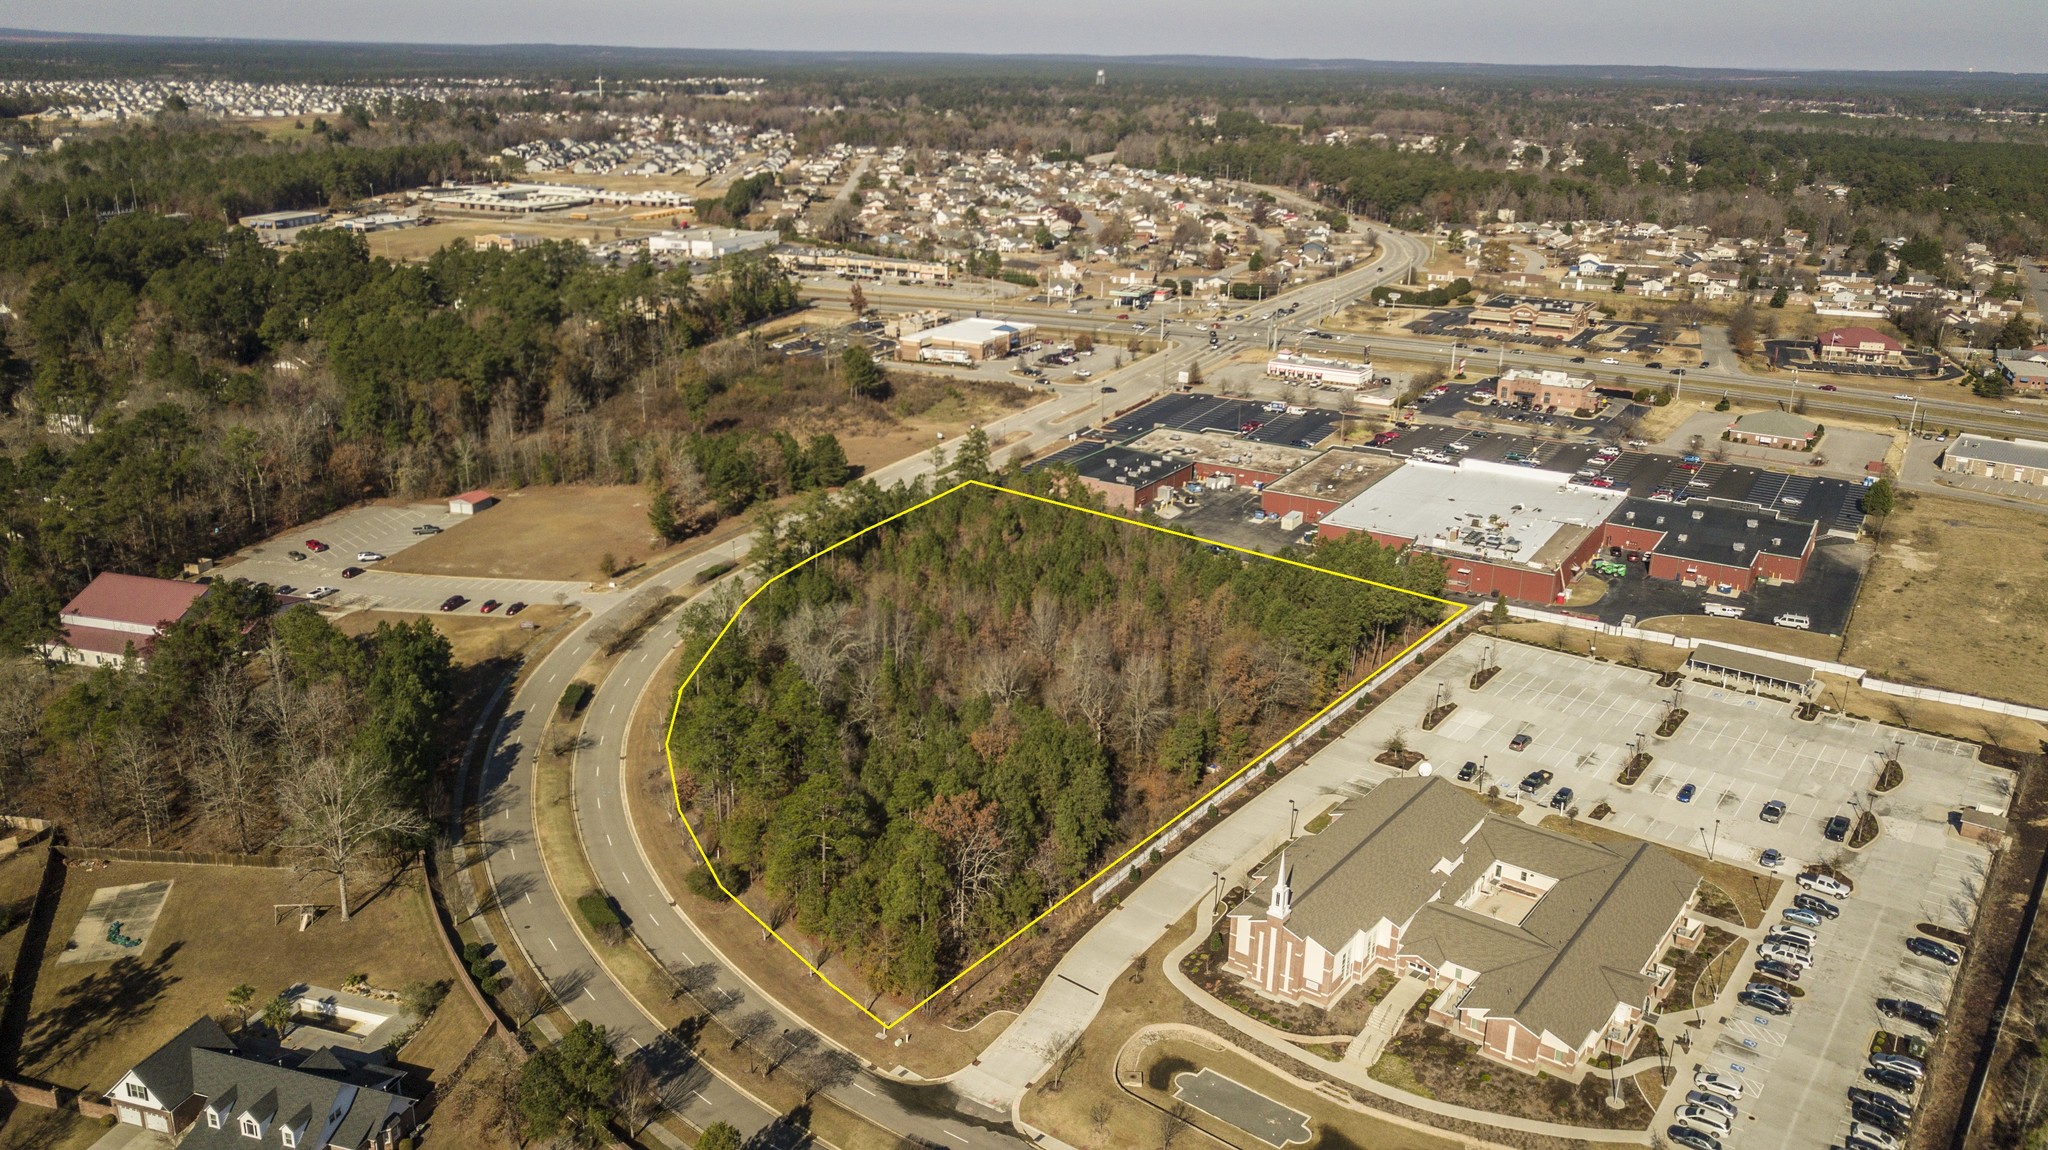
[912, 745]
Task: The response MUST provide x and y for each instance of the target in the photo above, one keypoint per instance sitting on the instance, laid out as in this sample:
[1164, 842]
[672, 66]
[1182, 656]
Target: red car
[315, 546]
[489, 606]
[1829, 387]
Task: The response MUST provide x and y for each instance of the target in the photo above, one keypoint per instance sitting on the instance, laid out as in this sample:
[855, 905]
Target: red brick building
[1702, 544]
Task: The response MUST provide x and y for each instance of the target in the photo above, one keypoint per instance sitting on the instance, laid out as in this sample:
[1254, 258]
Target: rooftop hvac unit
[1699, 515]
[1660, 521]
[1752, 525]
[1739, 545]
[1629, 515]
[1777, 541]
[1681, 537]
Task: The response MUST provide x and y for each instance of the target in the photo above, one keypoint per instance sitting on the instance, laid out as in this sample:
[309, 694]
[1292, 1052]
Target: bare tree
[21, 716]
[339, 810]
[819, 643]
[637, 1097]
[1087, 683]
[232, 765]
[1144, 710]
[1066, 1049]
[971, 834]
[1173, 1122]
[142, 779]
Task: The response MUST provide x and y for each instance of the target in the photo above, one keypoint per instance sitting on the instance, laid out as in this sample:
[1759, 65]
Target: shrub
[472, 953]
[575, 697]
[423, 997]
[704, 885]
[603, 917]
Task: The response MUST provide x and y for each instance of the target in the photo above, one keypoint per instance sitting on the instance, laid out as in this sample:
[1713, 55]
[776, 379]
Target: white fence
[1860, 674]
[1180, 826]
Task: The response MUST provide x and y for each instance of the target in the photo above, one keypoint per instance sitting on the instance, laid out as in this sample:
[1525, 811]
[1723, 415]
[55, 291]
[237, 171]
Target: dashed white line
[593, 997]
[551, 942]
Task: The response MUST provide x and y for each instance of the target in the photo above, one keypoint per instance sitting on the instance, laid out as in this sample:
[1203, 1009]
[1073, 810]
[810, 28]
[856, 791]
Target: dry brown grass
[89, 1022]
[540, 533]
[1748, 633]
[1957, 598]
[474, 638]
[31, 1128]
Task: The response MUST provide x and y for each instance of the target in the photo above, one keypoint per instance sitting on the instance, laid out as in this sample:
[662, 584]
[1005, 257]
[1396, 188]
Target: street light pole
[1291, 812]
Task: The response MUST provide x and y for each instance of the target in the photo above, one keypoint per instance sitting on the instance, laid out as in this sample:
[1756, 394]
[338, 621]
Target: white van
[1796, 622]
[1723, 610]
[1824, 884]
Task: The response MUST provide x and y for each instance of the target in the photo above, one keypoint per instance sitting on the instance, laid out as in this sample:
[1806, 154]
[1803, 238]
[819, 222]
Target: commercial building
[1774, 429]
[2025, 370]
[964, 341]
[1749, 671]
[1545, 950]
[1322, 372]
[272, 223]
[1549, 390]
[1499, 527]
[506, 242]
[1246, 462]
[709, 243]
[1533, 315]
[506, 199]
[2013, 460]
[1128, 479]
[1725, 547]
[854, 265]
[471, 502]
[1326, 482]
[1859, 346]
[117, 614]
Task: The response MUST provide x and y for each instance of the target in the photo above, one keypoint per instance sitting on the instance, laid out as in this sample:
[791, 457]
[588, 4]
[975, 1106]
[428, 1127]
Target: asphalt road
[540, 915]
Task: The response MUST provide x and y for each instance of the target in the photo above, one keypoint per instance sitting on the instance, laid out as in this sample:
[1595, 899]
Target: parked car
[1774, 811]
[1891, 1079]
[368, 556]
[1800, 915]
[1824, 884]
[1710, 1101]
[1796, 935]
[1770, 859]
[514, 608]
[1910, 1011]
[1766, 990]
[1720, 1084]
[322, 592]
[1782, 971]
[489, 606]
[1785, 952]
[1928, 948]
[425, 529]
[1562, 800]
[1468, 772]
[1693, 1139]
[351, 572]
[1686, 792]
[315, 546]
[1519, 742]
[1863, 1134]
[1535, 781]
[295, 556]
[1885, 1120]
[1860, 1096]
[1765, 1003]
[1903, 1063]
[1816, 904]
[1837, 829]
[1700, 1118]
[452, 602]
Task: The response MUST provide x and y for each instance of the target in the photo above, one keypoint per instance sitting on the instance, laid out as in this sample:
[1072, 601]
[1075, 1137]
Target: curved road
[540, 916]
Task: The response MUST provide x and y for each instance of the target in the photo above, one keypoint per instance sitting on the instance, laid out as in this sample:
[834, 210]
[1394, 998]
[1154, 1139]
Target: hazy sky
[1989, 35]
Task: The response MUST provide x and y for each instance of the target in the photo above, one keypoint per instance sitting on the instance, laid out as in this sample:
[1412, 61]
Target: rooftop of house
[1413, 849]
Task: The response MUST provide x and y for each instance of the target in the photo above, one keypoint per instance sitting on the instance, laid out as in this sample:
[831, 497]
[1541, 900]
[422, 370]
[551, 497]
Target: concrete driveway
[120, 1137]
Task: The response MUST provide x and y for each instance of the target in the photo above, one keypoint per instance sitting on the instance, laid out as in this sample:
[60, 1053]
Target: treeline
[914, 743]
[239, 708]
[181, 390]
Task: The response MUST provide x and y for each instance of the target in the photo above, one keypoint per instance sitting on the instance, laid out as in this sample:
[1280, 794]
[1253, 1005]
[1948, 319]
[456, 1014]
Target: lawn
[540, 533]
[1428, 1060]
[1704, 972]
[1748, 633]
[474, 638]
[1957, 599]
[33, 1128]
[89, 1022]
[20, 876]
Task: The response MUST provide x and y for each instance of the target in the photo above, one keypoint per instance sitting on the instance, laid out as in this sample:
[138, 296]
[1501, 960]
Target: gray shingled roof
[1783, 424]
[1409, 849]
[168, 1071]
[307, 1093]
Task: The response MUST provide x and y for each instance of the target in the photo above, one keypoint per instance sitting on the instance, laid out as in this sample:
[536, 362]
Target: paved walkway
[1385, 1021]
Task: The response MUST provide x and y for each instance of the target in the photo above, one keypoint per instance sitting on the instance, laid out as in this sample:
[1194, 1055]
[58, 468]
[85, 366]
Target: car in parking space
[1771, 858]
[1520, 742]
[295, 556]
[1860, 1096]
[1468, 772]
[489, 606]
[1765, 1002]
[1816, 904]
[1928, 948]
[1686, 792]
[1785, 952]
[322, 592]
[315, 546]
[1885, 1120]
[1774, 811]
[1836, 829]
[368, 556]
[1891, 1079]
[1796, 935]
[1800, 915]
[1910, 1011]
[1693, 1139]
[1824, 884]
[452, 602]
[1108, 390]
[1782, 971]
[1710, 1101]
[1562, 799]
[1864, 1134]
[1729, 1088]
[514, 608]
[1903, 1063]
[425, 529]
[1700, 1118]
[286, 589]
[351, 572]
[1535, 781]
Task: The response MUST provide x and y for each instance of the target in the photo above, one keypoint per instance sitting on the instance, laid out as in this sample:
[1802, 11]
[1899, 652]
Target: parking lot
[1210, 413]
[1737, 752]
[387, 530]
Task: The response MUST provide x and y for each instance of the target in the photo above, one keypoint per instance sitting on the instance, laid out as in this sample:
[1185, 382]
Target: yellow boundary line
[675, 712]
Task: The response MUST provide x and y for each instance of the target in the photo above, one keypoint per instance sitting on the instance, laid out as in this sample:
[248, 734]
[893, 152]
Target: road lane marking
[865, 1090]
[593, 997]
[551, 942]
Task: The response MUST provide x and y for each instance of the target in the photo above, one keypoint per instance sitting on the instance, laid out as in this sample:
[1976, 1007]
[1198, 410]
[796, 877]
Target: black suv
[1816, 904]
[1468, 772]
[1836, 829]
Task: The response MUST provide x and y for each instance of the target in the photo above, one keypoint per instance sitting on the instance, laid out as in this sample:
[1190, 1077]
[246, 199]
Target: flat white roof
[1497, 511]
[975, 330]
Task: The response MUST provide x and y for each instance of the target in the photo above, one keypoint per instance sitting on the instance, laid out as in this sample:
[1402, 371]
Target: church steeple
[1281, 902]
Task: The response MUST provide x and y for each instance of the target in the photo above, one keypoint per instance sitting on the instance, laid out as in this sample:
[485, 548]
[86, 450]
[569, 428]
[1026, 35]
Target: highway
[539, 914]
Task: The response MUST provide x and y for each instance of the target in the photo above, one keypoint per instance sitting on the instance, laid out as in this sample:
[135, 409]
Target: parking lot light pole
[1291, 812]
[1716, 841]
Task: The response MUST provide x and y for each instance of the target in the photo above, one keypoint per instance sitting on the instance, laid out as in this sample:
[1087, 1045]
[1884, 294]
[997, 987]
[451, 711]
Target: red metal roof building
[115, 612]
[471, 502]
[1858, 345]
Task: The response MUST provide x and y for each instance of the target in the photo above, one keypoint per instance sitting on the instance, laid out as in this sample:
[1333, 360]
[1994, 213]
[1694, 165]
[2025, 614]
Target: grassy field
[475, 638]
[540, 533]
[1748, 633]
[89, 1022]
[1957, 599]
[20, 876]
[32, 1128]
